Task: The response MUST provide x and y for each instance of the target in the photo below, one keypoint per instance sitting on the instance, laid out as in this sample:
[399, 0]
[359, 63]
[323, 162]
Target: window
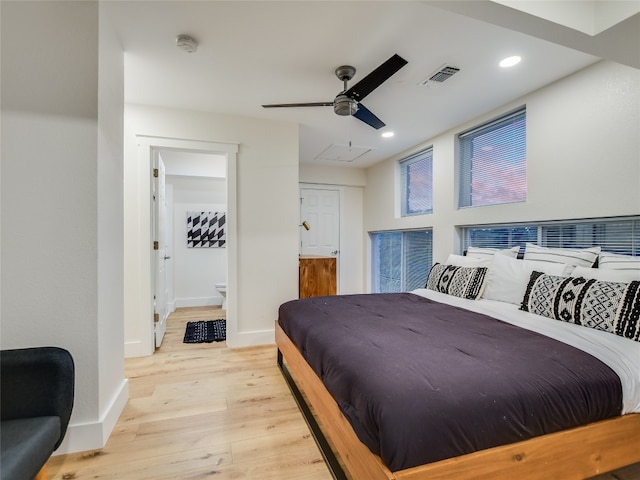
[616, 236]
[401, 260]
[417, 183]
[493, 162]
[619, 235]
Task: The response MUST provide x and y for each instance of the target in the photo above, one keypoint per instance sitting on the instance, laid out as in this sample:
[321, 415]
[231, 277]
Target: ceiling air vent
[439, 76]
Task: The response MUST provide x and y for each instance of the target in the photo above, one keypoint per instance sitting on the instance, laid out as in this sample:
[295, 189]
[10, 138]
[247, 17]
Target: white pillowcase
[465, 261]
[508, 277]
[487, 253]
[584, 257]
[605, 275]
[615, 261]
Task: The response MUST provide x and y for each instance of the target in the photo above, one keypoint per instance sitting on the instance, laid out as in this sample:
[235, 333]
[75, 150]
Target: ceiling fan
[347, 102]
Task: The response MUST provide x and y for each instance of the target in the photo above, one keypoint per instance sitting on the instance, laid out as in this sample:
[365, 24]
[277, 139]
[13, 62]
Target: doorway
[147, 150]
[187, 268]
[320, 224]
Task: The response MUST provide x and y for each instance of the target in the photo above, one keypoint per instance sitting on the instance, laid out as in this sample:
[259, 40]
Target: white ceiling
[253, 53]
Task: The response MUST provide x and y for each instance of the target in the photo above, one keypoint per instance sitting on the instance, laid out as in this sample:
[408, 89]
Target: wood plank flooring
[200, 411]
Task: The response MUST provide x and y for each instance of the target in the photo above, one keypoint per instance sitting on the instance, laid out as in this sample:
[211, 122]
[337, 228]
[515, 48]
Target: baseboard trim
[136, 349]
[198, 302]
[90, 436]
[250, 339]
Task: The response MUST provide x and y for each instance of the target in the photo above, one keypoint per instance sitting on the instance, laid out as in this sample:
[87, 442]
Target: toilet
[222, 290]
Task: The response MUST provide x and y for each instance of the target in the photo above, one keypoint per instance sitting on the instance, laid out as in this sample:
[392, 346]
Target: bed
[460, 405]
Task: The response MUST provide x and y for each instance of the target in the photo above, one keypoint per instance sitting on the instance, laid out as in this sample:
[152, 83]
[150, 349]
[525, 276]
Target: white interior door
[160, 293]
[320, 208]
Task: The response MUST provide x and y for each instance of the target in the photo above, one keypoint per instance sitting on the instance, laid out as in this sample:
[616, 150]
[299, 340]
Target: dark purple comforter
[421, 381]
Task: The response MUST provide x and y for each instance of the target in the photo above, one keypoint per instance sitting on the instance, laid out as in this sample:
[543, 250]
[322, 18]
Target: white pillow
[615, 261]
[508, 277]
[487, 253]
[584, 257]
[465, 261]
[605, 275]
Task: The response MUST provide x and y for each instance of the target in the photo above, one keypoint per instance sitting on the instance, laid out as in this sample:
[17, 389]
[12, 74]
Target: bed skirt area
[586, 451]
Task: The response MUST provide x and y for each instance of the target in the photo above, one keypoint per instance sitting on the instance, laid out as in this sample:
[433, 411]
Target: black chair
[36, 399]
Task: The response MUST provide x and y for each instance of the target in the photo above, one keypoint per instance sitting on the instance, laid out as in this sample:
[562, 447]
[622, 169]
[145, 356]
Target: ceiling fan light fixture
[345, 106]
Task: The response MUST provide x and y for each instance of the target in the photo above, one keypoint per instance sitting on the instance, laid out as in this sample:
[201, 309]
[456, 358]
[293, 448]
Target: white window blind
[401, 260]
[387, 262]
[417, 183]
[615, 235]
[493, 162]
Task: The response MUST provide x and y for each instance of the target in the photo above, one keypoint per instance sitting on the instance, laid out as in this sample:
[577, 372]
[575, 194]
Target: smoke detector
[186, 43]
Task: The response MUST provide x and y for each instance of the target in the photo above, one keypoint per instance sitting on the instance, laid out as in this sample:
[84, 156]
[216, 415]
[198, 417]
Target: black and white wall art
[206, 229]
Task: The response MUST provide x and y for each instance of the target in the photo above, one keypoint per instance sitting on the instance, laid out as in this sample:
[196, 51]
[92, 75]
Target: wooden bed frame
[577, 453]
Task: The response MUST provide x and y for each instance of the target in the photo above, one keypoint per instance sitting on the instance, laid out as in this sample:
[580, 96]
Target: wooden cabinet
[317, 276]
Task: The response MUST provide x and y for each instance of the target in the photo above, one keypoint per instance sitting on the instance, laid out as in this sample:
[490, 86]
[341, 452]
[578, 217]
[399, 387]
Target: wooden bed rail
[573, 454]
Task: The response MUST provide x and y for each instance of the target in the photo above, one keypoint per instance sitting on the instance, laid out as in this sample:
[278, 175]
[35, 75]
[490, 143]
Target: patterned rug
[206, 331]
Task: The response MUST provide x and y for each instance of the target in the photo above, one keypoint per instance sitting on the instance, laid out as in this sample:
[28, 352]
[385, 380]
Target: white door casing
[143, 306]
[160, 309]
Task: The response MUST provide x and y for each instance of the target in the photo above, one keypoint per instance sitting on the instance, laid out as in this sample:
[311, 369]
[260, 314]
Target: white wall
[196, 270]
[267, 217]
[583, 160]
[62, 253]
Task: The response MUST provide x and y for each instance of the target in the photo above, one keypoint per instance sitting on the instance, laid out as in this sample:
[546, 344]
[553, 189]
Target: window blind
[417, 258]
[387, 253]
[401, 260]
[416, 173]
[493, 162]
[615, 235]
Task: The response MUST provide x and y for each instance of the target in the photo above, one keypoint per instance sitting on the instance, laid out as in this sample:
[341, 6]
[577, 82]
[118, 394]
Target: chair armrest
[37, 382]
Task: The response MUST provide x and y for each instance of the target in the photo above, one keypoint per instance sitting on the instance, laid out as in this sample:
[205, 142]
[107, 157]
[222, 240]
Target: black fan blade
[365, 115]
[376, 78]
[286, 105]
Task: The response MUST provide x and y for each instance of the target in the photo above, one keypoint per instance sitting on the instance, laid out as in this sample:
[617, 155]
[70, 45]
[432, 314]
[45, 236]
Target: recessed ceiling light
[387, 134]
[510, 61]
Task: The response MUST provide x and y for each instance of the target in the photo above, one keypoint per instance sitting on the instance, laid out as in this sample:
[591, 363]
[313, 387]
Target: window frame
[402, 262]
[546, 237]
[423, 155]
[464, 141]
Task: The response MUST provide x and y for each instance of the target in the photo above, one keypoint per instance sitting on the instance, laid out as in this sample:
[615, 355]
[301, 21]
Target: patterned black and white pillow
[464, 282]
[613, 307]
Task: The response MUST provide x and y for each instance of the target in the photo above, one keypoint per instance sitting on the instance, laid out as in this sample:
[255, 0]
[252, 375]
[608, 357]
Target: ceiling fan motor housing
[344, 105]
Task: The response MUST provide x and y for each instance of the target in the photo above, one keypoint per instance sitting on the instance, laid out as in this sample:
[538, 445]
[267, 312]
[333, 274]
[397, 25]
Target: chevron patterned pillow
[464, 282]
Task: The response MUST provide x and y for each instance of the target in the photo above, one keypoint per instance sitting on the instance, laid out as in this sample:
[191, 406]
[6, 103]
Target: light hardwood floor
[200, 411]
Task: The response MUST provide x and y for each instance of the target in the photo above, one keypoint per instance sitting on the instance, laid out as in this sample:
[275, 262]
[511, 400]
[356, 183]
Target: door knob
[335, 252]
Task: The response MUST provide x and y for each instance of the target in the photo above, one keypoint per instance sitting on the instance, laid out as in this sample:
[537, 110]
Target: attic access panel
[343, 153]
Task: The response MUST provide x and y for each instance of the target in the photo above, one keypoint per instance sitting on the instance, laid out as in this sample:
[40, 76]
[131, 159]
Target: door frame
[146, 147]
[158, 213]
[341, 227]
